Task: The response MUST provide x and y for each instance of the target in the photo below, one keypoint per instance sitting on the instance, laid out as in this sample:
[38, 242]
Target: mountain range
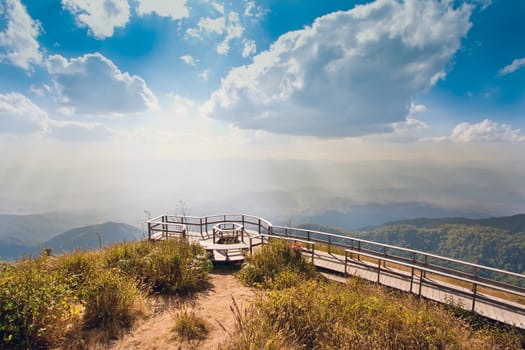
[28, 234]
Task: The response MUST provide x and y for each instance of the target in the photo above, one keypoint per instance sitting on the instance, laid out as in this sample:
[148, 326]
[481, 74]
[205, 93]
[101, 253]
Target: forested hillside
[496, 242]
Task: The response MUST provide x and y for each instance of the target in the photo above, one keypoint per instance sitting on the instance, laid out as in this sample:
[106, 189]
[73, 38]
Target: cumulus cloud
[514, 66]
[18, 115]
[351, 73]
[93, 85]
[18, 41]
[100, 16]
[189, 60]
[228, 27]
[233, 29]
[208, 25]
[73, 131]
[249, 48]
[486, 131]
[175, 9]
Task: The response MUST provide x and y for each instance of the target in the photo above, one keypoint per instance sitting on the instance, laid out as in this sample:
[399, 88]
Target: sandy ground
[213, 305]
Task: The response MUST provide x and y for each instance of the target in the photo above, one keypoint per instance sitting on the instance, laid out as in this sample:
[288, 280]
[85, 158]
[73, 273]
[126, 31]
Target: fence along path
[490, 292]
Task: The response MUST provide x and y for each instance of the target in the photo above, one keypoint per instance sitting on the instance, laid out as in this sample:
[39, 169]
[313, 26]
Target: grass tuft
[188, 326]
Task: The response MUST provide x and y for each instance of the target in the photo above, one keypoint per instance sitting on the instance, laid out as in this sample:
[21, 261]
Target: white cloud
[18, 43]
[218, 7]
[486, 131]
[176, 9]
[204, 74]
[189, 60]
[100, 16]
[252, 10]
[408, 130]
[229, 27]
[483, 3]
[249, 48]
[209, 25]
[93, 85]
[351, 73]
[40, 91]
[18, 115]
[72, 131]
[514, 66]
[234, 29]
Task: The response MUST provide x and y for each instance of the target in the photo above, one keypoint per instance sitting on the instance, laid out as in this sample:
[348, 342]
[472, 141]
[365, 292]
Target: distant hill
[34, 229]
[514, 223]
[86, 237]
[497, 242]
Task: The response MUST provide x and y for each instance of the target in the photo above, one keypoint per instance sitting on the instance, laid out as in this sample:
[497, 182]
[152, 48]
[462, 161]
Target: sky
[151, 101]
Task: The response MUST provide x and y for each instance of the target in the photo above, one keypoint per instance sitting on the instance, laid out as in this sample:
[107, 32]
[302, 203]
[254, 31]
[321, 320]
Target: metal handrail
[264, 228]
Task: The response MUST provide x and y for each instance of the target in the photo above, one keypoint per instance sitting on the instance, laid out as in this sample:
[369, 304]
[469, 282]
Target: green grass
[276, 265]
[188, 326]
[301, 311]
[57, 301]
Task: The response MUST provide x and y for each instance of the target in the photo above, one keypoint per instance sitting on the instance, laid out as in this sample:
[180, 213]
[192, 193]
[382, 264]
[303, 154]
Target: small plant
[316, 314]
[35, 306]
[113, 302]
[274, 261]
[189, 326]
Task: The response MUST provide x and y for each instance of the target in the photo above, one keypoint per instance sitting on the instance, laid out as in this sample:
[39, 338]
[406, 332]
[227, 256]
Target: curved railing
[473, 281]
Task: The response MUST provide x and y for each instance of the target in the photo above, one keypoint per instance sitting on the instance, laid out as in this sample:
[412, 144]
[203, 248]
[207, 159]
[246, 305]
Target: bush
[273, 263]
[357, 315]
[166, 267]
[36, 308]
[189, 326]
[112, 302]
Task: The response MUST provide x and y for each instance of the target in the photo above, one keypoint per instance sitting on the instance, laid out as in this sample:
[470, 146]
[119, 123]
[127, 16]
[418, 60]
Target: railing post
[420, 281]
[313, 251]
[200, 224]
[251, 246]
[426, 265]
[308, 235]
[384, 254]
[206, 223]
[259, 226]
[213, 235]
[358, 250]
[149, 230]
[412, 271]
[242, 234]
[164, 233]
[378, 270]
[474, 288]
[329, 244]
[346, 263]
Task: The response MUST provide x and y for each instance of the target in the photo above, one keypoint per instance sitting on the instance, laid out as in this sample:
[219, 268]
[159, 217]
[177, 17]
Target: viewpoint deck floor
[428, 288]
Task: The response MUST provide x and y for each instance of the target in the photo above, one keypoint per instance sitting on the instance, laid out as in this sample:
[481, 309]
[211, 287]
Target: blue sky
[342, 81]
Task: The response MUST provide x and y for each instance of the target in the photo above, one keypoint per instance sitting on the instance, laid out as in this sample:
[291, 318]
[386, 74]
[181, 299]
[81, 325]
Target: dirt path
[213, 305]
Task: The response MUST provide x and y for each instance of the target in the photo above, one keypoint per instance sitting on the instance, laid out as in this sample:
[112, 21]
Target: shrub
[78, 268]
[166, 267]
[35, 306]
[357, 315]
[189, 326]
[112, 302]
[274, 262]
